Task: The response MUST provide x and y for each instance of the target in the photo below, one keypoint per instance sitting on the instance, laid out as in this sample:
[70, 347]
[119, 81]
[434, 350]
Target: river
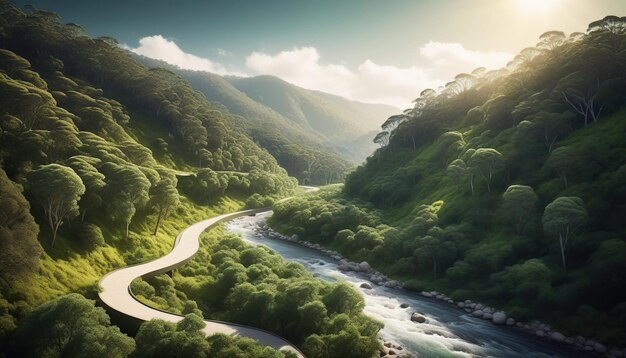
[448, 332]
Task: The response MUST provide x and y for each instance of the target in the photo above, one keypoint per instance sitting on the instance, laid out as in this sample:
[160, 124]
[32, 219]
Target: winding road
[116, 294]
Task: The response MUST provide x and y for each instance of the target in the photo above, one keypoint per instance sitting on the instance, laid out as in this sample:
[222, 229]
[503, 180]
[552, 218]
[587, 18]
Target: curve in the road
[115, 286]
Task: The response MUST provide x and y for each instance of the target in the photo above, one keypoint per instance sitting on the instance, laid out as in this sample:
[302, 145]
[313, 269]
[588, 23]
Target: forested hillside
[506, 186]
[310, 133]
[337, 119]
[91, 148]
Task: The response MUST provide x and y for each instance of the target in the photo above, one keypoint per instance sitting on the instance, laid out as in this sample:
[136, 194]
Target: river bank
[474, 310]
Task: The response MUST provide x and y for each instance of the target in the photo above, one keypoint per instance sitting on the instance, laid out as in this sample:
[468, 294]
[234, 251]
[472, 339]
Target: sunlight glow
[536, 6]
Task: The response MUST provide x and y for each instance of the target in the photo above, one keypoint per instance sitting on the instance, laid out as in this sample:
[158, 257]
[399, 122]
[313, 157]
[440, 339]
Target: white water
[448, 331]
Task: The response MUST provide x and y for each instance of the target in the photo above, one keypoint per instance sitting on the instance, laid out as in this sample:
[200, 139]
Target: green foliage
[78, 130]
[562, 218]
[90, 236]
[57, 189]
[19, 248]
[519, 203]
[70, 326]
[233, 281]
[553, 120]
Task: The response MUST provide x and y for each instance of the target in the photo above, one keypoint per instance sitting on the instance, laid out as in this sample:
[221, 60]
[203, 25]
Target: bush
[90, 236]
[258, 201]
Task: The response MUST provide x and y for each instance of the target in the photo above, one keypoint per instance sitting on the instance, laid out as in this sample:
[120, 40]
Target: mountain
[505, 187]
[338, 119]
[312, 134]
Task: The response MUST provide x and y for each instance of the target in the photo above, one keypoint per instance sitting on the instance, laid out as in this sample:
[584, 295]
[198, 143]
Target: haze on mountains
[281, 117]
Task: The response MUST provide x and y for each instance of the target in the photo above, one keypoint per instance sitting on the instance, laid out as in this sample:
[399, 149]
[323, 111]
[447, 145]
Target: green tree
[458, 171]
[563, 161]
[519, 203]
[166, 339]
[563, 217]
[164, 197]
[122, 209]
[57, 188]
[19, 248]
[71, 326]
[486, 161]
[93, 180]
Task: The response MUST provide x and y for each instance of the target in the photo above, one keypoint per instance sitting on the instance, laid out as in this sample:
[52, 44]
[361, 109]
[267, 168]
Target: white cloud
[448, 59]
[372, 82]
[160, 48]
[435, 64]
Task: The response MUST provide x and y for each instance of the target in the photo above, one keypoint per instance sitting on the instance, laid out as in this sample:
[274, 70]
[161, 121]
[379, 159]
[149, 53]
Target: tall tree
[563, 161]
[164, 197]
[486, 162]
[519, 202]
[562, 218]
[57, 188]
[93, 180]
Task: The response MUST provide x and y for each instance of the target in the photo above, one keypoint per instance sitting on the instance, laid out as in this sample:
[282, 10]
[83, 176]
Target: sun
[536, 6]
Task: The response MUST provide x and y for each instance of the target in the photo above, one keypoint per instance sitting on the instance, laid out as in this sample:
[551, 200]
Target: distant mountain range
[279, 115]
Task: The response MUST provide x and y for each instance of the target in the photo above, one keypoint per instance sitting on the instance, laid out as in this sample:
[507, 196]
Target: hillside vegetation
[91, 144]
[506, 186]
[103, 162]
[311, 134]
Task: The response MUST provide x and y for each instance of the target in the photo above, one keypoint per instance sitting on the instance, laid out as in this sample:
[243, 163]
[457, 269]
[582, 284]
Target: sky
[377, 51]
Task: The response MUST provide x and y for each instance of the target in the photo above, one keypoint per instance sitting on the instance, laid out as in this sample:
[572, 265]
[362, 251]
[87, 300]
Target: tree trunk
[472, 183]
[563, 242]
[127, 226]
[54, 233]
[156, 228]
[82, 216]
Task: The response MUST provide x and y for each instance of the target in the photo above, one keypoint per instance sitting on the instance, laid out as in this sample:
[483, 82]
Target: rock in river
[366, 286]
[499, 317]
[416, 317]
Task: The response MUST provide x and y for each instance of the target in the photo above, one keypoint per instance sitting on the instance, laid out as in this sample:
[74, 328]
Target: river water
[448, 331]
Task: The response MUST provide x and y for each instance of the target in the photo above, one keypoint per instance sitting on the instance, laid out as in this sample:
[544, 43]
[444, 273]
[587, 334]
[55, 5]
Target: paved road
[116, 294]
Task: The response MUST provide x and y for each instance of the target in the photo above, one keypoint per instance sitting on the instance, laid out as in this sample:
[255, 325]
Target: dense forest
[505, 186]
[311, 134]
[103, 162]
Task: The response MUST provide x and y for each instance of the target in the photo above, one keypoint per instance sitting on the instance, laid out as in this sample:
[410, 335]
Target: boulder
[540, 333]
[487, 316]
[404, 305]
[499, 317]
[478, 313]
[510, 321]
[366, 286]
[364, 266]
[461, 304]
[392, 284]
[557, 336]
[416, 317]
[600, 348]
[427, 294]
